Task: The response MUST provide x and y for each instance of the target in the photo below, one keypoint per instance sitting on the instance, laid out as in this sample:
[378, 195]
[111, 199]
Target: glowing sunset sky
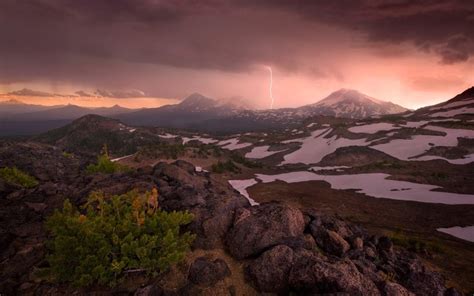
[413, 53]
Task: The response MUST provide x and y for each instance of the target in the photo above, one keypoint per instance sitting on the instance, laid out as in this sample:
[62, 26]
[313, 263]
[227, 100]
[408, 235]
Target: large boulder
[261, 227]
[269, 272]
[315, 274]
[206, 272]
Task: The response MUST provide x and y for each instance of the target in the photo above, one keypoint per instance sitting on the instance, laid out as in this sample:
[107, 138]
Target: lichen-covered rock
[394, 289]
[314, 274]
[269, 273]
[265, 226]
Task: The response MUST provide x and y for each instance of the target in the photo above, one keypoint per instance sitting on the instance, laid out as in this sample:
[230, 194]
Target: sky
[152, 52]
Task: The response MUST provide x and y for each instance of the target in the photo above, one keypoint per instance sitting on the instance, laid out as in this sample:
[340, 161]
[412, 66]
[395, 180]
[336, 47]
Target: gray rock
[394, 289]
[267, 225]
[330, 241]
[269, 272]
[312, 274]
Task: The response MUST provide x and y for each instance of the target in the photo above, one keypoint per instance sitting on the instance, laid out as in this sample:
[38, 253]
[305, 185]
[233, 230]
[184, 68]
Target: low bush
[113, 237]
[415, 244]
[106, 166]
[17, 177]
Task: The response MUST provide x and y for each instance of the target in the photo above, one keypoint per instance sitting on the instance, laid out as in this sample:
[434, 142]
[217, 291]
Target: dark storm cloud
[30, 92]
[443, 26]
[77, 40]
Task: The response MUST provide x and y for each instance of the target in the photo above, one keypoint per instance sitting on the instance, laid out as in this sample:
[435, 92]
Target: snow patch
[407, 149]
[167, 136]
[241, 186]
[233, 144]
[200, 139]
[261, 152]
[123, 157]
[315, 147]
[465, 233]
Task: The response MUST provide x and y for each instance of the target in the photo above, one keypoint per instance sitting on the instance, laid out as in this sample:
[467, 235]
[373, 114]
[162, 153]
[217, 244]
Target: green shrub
[414, 244]
[106, 166]
[17, 177]
[115, 236]
[68, 155]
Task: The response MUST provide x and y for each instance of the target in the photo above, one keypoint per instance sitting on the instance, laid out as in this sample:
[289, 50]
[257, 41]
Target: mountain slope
[193, 109]
[88, 134]
[461, 104]
[352, 104]
[69, 112]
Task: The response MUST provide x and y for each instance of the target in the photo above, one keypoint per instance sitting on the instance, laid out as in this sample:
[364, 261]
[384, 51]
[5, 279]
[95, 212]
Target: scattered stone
[330, 241]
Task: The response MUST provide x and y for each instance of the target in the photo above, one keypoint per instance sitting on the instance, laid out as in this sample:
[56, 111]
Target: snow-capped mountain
[350, 103]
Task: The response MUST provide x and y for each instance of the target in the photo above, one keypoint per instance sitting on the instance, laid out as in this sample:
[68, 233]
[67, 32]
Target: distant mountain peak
[346, 94]
[351, 103]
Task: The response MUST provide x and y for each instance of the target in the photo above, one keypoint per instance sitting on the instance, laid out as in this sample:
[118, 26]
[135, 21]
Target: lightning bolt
[271, 85]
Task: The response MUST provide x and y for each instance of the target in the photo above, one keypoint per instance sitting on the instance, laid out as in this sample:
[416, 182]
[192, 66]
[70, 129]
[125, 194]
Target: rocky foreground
[239, 249]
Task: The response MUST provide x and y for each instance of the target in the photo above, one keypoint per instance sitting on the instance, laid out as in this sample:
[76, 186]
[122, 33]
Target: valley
[408, 177]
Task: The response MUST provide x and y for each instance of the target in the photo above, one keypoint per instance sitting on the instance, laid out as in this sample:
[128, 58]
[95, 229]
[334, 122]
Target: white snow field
[315, 147]
[465, 233]
[373, 128]
[200, 139]
[406, 149]
[167, 136]
[233, 144]
[376, 185]
[188, 139]
[123, 157]
[261, 152]
[242, 185]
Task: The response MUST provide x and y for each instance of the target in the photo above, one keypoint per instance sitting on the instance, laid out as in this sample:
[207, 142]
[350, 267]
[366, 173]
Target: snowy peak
[351, 103]
[347, 95]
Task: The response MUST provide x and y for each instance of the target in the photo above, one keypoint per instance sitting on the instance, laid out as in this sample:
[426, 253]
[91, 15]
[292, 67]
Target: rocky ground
[239, 250]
